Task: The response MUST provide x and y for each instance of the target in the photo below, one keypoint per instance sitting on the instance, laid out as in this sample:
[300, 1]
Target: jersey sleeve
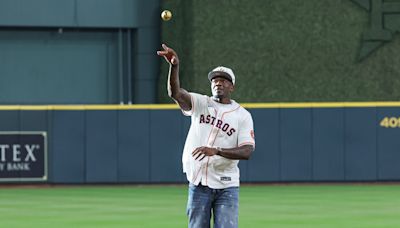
[199, 102]
[246, 131]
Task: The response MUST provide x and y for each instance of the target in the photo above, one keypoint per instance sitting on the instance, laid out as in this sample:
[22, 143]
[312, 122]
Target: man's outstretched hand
[169, 55]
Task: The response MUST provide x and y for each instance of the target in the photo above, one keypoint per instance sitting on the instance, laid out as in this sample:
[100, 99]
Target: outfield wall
[143, 144]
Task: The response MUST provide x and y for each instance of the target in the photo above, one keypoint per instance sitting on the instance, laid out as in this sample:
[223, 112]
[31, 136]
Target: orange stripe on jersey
[195, 178]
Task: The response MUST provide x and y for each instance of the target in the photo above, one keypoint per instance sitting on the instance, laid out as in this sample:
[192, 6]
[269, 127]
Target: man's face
[221, 87]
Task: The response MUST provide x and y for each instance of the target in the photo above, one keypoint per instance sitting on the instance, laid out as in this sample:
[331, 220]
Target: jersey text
[217, 123]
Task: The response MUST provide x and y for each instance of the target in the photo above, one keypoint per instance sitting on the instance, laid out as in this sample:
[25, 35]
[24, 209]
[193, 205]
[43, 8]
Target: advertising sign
[23, 156]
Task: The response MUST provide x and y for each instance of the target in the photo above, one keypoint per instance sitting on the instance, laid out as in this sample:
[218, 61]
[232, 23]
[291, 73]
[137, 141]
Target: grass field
[164, 206]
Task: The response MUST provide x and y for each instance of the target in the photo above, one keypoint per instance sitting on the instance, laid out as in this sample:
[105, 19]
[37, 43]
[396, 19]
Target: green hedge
[280, 50]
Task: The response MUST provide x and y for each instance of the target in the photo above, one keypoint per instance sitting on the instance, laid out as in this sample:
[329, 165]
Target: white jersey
[215, 125]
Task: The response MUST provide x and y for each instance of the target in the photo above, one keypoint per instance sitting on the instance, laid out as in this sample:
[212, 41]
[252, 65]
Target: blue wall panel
[134, 146]
[295, 144]
[328, 144]
[10, 120]
[145, 146]
[33, 120]
[38, 120]
[388, 145]
[264, 163]
[68, 136]
[101, 146]
[166, 146]
[244, 170]
[360, 144]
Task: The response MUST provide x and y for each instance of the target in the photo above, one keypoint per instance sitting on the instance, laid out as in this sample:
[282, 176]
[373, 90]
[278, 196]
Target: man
[220, 134]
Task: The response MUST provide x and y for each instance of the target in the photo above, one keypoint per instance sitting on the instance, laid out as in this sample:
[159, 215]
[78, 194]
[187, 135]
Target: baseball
[166, 15]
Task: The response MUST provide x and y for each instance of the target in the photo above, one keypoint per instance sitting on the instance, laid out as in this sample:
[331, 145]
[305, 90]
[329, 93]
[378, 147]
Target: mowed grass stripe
[322, 206]
[92, 207]
[164, 206]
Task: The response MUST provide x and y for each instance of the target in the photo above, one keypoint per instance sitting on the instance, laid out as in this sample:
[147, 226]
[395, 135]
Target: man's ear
[232, 88]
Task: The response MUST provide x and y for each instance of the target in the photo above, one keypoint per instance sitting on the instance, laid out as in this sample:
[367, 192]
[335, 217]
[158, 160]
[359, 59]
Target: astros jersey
[215, 125]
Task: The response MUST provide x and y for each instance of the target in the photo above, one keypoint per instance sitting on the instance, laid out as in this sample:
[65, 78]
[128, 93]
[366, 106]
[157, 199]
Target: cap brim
[215, 74]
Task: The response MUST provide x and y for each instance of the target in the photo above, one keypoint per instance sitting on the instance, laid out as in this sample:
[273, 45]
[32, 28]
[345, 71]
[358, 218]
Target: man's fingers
[195, 151]
[162, 52]
[168, 50]
[198, 156]
[202, 157]
[169, 55]
[200, 153]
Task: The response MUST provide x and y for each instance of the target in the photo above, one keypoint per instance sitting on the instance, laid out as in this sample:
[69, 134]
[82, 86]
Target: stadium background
[72, 68]
[281, 50]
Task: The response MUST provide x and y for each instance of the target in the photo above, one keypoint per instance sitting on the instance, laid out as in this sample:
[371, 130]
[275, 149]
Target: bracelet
[219, 150]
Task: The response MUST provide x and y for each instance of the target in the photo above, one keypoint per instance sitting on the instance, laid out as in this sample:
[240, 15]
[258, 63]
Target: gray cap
[222, 72]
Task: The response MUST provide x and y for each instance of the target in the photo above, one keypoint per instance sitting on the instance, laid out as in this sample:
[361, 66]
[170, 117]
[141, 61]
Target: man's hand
[169, 55]
[243, 152]
[201, 152]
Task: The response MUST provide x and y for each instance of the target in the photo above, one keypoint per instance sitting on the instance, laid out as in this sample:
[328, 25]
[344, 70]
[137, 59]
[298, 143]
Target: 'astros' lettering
[217, 123]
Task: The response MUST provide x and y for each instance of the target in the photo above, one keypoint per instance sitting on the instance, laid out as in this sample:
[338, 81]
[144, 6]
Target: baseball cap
[222, 72]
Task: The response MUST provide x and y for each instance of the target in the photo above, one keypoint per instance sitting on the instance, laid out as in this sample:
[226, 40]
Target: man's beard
[217, 97]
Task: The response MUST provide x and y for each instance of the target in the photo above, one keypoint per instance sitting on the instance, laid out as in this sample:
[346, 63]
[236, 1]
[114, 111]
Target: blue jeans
[222, 203]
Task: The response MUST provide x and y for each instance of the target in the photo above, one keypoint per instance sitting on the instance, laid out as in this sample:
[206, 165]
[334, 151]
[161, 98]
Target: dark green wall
[281, 50]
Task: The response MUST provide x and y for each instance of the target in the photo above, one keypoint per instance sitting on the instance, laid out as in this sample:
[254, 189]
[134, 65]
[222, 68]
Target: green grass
[164, 206]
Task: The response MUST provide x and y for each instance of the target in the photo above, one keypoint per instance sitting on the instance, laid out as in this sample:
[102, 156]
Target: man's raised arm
[181, 96]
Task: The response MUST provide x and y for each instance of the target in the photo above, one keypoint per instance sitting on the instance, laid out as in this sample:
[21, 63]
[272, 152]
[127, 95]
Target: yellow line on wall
[89, 107]
[174, 106]
[321, 105]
